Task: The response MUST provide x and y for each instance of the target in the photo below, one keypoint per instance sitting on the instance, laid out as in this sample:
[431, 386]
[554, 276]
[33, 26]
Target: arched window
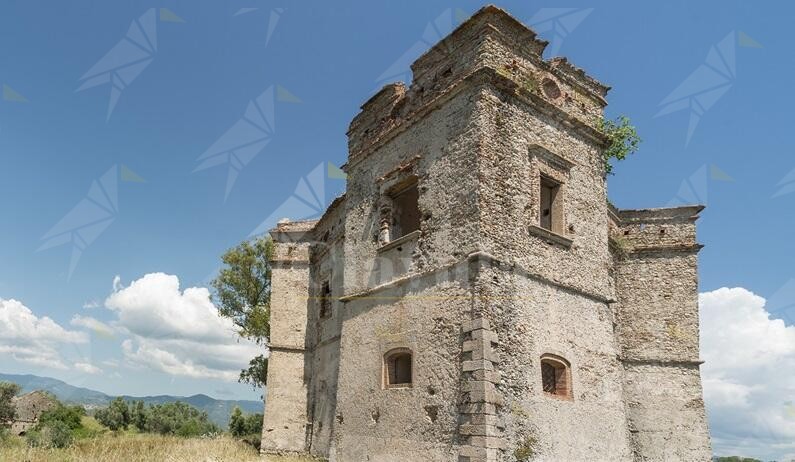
[398, 368]
[556, 376]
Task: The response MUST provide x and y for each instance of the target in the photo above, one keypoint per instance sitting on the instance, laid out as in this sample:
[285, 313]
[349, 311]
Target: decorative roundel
[550, 88]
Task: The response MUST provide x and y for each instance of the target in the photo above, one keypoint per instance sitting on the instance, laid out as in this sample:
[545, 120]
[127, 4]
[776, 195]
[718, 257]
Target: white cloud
[177, 332]
[92, 324]
[747, 375]
[31, 339]
[110, 363]
[88, 368]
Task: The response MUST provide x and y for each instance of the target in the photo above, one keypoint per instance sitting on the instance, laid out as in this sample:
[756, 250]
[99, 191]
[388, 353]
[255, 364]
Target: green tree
[180, 419]
[139, 415]
[242, 294]
[116, 416]
[254, 424]
[57, 427]
[622, 140]
[54, 434]
[71, 416]
[237, 423]
[7, 410]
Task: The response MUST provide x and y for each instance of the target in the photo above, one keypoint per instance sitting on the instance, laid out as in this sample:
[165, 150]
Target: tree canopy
[242, 294]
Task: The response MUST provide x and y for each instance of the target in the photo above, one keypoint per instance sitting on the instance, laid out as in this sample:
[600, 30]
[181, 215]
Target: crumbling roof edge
[663, 213]
[302, 227]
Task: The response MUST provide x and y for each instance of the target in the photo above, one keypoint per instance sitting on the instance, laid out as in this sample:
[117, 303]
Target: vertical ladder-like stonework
[479, 430]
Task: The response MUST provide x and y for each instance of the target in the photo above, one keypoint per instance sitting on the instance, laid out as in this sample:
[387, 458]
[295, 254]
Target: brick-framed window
[556, 377]
[398, 368]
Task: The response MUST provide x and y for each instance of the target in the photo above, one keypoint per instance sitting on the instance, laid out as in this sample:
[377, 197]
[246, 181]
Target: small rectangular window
[549, 207]
[325, 300]
[405, 211]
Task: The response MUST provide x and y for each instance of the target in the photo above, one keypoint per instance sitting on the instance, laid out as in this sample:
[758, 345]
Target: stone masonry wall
[657, 318]
[323, 333]
[285, 419]
[419, 423]
[481, 291]
[532, 317]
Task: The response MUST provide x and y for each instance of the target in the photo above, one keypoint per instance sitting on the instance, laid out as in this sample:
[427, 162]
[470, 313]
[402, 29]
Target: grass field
[138, 448]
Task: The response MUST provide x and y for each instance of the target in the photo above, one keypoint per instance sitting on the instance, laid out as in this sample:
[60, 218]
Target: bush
[622, 140]
[248, 427]
[7, 411]
[178, 419]
[70, 416]
[5, 436]
[54, 434]
[116, 416]
[139, 415]
[57, 427]
[241, 425]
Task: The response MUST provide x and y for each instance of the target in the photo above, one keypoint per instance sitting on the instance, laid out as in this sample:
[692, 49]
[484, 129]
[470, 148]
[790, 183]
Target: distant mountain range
[218, 410]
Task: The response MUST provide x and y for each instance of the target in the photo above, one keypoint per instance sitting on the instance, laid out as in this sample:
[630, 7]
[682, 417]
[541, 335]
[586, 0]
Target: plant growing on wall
[622, 140]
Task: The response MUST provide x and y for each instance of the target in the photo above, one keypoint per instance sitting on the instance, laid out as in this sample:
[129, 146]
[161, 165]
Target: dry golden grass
[138, 448]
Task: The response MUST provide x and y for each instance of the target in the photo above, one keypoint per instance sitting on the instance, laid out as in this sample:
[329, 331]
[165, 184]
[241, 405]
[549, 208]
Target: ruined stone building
[29, 407]
[473, 296]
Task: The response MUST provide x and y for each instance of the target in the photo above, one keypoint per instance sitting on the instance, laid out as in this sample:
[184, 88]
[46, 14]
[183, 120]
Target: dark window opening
[325, 300]
[397, 368]
[556, 376]
[405, 211]
[549, 212]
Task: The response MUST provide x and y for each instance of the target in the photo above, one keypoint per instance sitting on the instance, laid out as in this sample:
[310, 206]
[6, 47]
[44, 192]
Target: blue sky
[190, 69]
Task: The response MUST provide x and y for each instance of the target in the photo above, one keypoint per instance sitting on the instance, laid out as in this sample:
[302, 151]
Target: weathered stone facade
[29, 407]
[473, 296]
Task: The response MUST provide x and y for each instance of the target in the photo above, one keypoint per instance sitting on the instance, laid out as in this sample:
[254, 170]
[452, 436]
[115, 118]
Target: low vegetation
[247, 427]
[130, 432]
[178, 418]
[132, 447]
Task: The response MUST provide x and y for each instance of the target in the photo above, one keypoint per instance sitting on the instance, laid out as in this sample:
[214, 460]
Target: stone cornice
[477, 256]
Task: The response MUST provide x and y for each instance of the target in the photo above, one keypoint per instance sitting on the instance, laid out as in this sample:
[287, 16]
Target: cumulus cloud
[88, 368]
[747, 375]
[90, 305]
[177, 331]
[31, 339]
